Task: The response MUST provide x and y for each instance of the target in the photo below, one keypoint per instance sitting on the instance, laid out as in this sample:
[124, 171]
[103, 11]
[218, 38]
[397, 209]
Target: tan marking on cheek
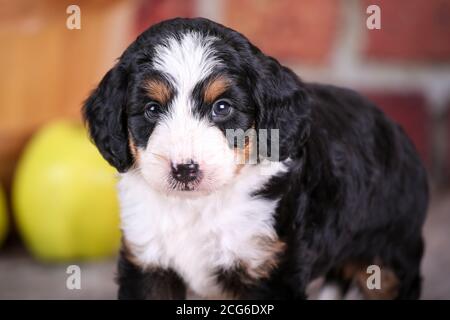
[215, 88]
[243, 156]
[158, 90]
[133, 149]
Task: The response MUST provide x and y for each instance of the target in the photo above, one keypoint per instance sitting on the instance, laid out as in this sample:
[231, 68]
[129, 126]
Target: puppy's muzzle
[186, 172]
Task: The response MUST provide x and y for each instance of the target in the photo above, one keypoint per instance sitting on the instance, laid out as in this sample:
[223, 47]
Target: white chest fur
[195, 237]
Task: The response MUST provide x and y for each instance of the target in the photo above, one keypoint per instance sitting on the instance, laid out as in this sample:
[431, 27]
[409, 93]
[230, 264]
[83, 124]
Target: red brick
[448, 146]
[286, 29]
[153, 11]
[411, 30]
[411, 112]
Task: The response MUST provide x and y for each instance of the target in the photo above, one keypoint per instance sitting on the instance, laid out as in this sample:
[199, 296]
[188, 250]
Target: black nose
[185, 172]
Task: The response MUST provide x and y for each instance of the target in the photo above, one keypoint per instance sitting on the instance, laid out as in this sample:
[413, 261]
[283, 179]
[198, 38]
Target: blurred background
[47, 70]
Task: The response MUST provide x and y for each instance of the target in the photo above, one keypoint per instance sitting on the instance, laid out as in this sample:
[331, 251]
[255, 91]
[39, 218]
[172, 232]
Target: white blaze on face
[180, 136]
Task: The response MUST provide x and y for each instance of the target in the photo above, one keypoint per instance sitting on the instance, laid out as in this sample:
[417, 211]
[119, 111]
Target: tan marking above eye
[158, 91]
[215, 88]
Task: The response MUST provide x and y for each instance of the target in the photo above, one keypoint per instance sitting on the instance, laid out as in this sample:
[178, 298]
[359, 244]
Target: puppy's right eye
[152, 109]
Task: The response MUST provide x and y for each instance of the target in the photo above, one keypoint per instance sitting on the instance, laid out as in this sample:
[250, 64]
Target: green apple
[3, 217]
[64, 196]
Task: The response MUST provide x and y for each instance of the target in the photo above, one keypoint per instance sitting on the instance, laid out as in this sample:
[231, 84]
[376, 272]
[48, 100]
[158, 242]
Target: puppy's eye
[152, 109]
[221, 109]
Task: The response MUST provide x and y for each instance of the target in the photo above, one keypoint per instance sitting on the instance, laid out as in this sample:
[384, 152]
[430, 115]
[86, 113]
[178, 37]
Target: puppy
[333, 187]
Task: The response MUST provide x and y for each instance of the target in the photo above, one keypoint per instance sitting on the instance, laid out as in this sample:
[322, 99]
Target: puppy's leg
[330, 291]
[154, 283]
[400, 271]
[405, 261]
[335, 286]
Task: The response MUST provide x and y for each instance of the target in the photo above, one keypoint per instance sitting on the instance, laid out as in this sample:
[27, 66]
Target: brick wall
[404, 67]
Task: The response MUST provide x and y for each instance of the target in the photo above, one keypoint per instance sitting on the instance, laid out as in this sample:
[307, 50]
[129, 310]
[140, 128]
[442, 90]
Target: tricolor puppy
[340, 187]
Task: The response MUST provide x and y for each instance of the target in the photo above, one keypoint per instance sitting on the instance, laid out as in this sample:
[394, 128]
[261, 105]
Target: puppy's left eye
[221, 108]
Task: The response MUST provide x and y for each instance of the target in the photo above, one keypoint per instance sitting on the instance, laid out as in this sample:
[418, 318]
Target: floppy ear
[104, 113]
[283, 103]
